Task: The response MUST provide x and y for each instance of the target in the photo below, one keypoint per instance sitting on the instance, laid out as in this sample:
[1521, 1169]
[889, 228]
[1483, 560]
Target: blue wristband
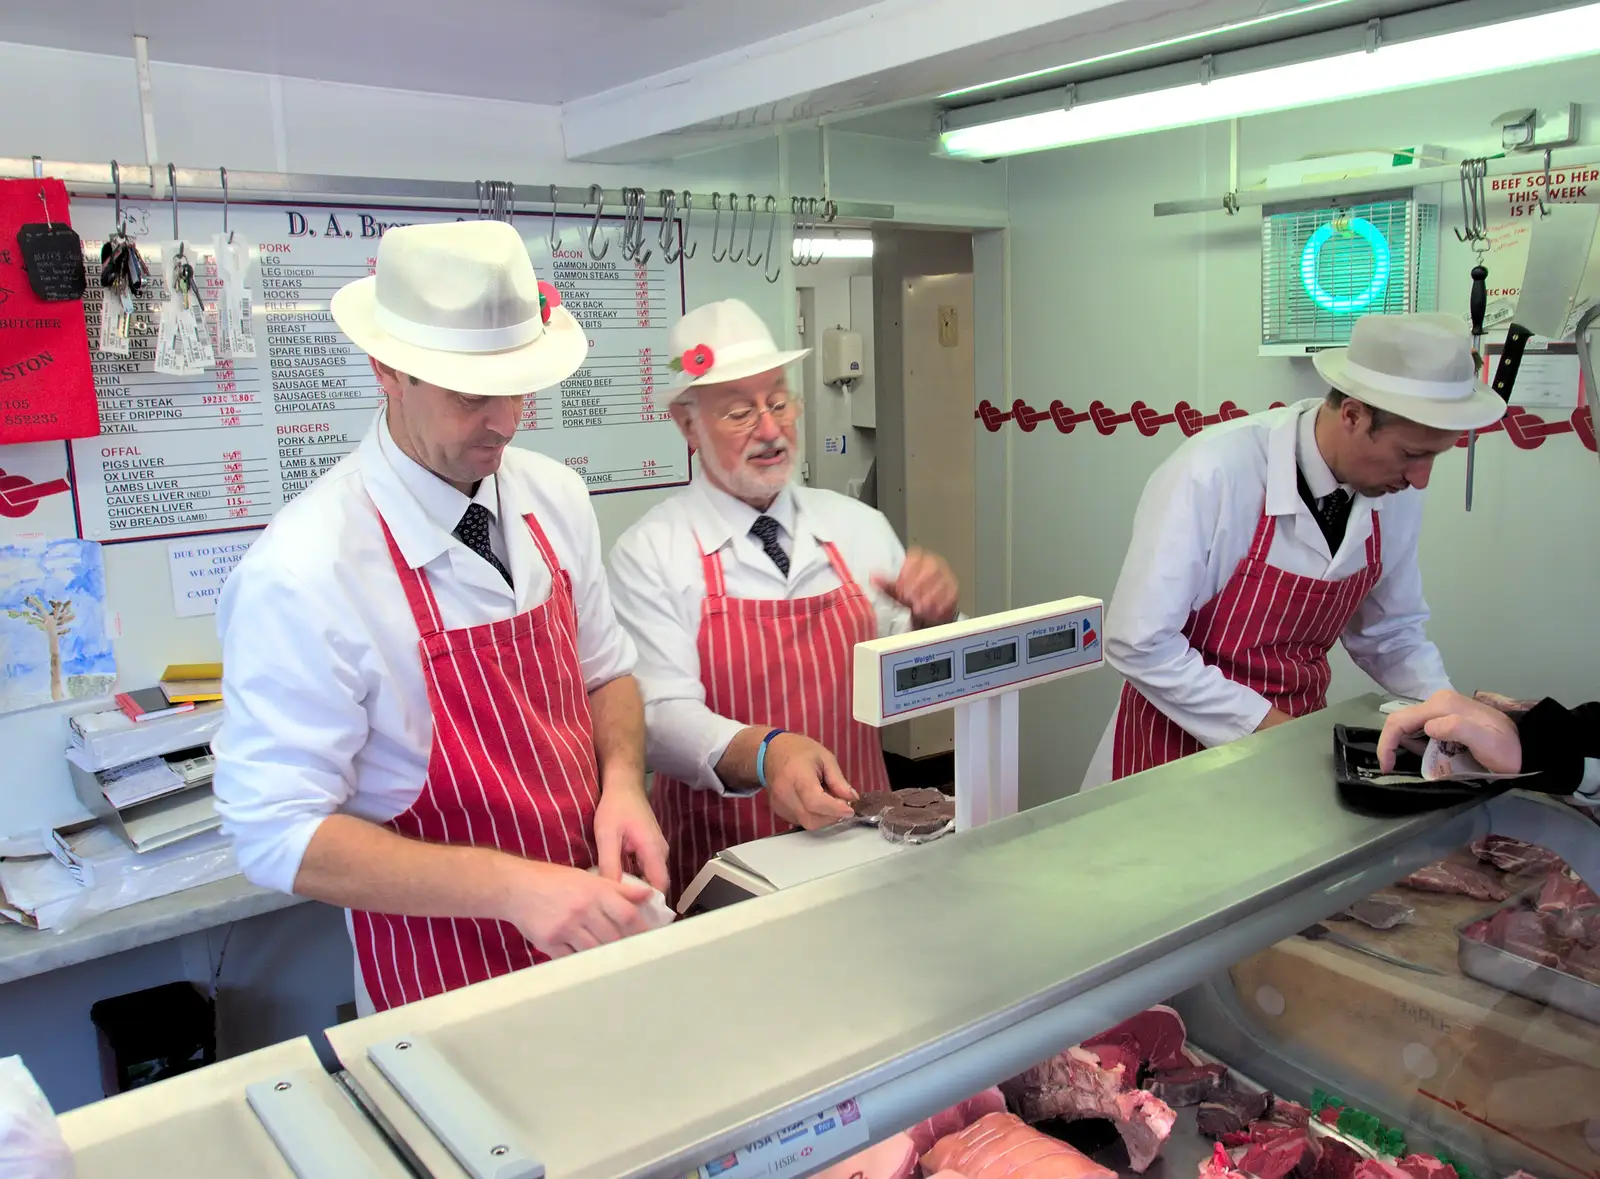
[761, 756]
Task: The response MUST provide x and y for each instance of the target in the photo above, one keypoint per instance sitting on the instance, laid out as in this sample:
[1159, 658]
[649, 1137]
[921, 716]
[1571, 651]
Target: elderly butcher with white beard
[746, 595]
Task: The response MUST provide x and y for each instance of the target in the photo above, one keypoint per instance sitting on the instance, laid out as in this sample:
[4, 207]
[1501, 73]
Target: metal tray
[1505, 970]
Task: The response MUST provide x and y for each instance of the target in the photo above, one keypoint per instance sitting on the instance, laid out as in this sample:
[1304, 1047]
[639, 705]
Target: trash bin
[150, 1035]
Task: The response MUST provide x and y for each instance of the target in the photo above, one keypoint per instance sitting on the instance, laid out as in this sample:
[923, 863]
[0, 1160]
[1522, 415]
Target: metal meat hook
[596, 193]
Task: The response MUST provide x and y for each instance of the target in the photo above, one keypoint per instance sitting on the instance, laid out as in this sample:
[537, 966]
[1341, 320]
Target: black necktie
[1332, 513]
[765, 529]
[473, 531]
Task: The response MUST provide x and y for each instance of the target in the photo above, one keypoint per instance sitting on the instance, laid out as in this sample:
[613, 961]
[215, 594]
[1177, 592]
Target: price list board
[226, 448]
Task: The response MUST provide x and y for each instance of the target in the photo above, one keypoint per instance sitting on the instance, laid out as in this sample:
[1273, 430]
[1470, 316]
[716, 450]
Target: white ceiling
[543, 51]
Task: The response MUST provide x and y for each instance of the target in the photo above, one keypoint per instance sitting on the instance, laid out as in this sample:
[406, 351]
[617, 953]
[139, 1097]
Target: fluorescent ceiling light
[1169, 43]
[1447, 57]
[833, 247]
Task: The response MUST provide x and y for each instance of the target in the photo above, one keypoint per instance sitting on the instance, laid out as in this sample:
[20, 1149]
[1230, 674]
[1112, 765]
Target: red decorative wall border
[1526, 430]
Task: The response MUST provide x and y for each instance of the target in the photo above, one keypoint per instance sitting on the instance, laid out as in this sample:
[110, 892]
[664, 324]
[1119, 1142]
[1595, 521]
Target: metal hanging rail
[1232, 202]
[206, 183]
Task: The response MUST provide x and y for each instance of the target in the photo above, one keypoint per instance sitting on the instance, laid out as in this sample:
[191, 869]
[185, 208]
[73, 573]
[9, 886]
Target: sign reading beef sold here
[46, 388]
[226, 448]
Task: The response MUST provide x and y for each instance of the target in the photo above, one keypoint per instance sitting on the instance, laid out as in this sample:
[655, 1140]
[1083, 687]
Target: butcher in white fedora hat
[430, 716]
[1264, 540]
[746, 594]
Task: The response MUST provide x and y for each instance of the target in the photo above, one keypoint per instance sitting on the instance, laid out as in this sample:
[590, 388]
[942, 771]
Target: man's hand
[804, 783]
[926, 586]
[1489, 734]
[563, 910]
[624, 826]
[1273, 719]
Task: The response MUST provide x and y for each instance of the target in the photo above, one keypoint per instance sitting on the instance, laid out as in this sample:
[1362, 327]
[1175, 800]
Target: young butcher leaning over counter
[1263, 541]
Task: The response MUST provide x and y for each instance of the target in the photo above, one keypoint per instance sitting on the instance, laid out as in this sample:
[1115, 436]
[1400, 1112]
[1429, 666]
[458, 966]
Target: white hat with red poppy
[458, 305]
[723, 341]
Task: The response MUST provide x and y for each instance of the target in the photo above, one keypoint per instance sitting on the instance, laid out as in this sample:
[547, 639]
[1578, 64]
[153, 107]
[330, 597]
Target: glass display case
[809, 1030]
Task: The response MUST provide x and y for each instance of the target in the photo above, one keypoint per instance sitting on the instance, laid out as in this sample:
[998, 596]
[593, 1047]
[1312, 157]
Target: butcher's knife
[1321, 933]
[1558, 250]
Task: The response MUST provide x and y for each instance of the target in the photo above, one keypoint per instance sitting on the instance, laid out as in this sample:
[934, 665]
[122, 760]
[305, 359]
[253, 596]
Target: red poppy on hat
[549, 300]
[697, 361]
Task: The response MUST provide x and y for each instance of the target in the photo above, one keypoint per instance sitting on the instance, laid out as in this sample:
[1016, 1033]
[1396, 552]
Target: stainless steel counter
[912, 982]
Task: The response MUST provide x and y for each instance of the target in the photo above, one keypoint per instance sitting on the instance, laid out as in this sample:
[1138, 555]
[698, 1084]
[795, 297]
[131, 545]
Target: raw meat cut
[1337, 1160]
[1156, 1036]
[893, 1158]
[1275, 1155]
[1230, 1111]
[1564, 892]
[1522, 932]
[958, 1117]
[1425, 1166]
[1001, 1146]
[1456, 879]
[1110, 1056]
[1180, 1087]
[1515, 856]
[1219, 1165]
[1287, 1113]
[1073, 1085]
[912, 822]
[1381, 910]
[1372, 1169]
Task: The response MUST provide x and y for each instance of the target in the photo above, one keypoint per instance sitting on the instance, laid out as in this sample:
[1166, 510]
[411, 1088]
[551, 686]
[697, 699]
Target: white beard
[746, 482]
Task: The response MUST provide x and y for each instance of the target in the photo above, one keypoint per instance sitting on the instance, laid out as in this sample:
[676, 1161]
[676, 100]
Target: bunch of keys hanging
[122, 275]
[183, 344]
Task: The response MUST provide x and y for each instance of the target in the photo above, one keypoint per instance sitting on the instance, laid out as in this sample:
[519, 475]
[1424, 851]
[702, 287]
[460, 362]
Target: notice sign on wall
[200, 566]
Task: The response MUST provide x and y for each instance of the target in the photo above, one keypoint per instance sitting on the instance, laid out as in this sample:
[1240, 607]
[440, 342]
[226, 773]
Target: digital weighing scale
[975, 666]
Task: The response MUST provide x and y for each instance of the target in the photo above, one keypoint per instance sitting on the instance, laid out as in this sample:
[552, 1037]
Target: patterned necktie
[765, 529]
[1333, 513]
[473, 531]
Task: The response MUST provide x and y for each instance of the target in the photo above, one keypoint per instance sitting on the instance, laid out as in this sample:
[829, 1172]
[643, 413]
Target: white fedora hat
[458, 305]
[1418, 366]
[723, 341]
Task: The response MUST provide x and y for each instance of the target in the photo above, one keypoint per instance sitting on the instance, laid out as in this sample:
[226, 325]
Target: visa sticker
[796, 1144]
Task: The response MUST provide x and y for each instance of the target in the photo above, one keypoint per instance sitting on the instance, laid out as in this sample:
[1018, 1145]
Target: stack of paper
[192, 683]
[139, 781]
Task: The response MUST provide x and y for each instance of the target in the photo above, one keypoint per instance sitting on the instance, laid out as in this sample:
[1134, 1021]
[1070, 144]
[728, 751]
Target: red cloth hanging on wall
[46, 379]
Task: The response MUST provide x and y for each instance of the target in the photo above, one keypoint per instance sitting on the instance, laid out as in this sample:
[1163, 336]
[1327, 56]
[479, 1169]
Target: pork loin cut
[1073, 1085]
[1182, 1087]
[893, 1158]
[957, 1118]
[1455, 878]
[1155, 1036]
[1001, 1146]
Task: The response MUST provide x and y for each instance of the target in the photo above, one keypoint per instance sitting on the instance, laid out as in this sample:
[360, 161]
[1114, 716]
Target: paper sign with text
[200, 566]
[809, 1144]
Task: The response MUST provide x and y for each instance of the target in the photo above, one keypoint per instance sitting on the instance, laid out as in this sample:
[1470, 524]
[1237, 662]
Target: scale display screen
[922, 675]
[1040, 646]
[990, 658]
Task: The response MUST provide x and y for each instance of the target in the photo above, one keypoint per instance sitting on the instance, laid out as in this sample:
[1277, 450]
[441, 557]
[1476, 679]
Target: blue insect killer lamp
[1345, 302]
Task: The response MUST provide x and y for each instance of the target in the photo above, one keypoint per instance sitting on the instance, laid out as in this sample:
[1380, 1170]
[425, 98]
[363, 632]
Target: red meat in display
[1456, 879]
[1522, 932]
[956, 1118]
[1337, 1160]
[1564, 892]
[1180, 1087]
[1073, 1085]
[1001, 1146]
[1514, 856]
[1230, 1111]
[1275, 1154]
[1155, 1036]
[1425, 1166]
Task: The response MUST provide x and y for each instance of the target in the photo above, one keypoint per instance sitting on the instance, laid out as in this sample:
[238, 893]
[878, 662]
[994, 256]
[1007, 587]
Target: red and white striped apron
[1267, 629]
[512, 767]
[779, 662]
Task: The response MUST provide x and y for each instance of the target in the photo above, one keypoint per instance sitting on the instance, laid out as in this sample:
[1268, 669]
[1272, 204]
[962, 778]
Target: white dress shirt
[326, 708]
[659, 585]
[1195, 523]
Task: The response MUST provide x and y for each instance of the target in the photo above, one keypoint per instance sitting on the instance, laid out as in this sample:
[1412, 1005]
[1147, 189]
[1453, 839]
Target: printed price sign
[802, 1146]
